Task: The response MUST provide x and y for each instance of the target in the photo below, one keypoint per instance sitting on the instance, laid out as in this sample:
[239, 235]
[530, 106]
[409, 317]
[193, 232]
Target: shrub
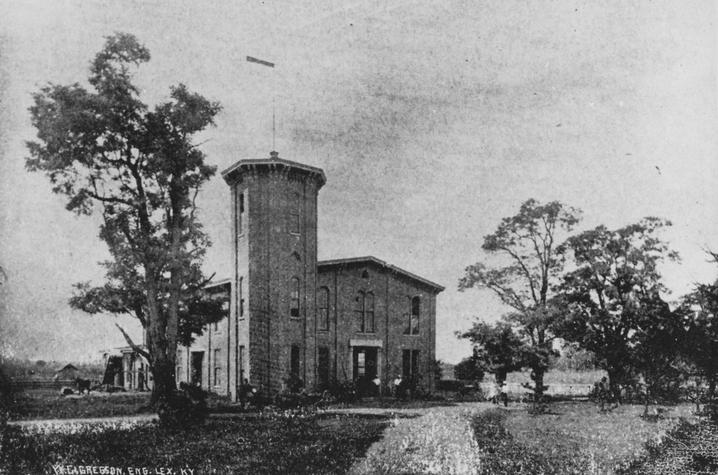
[450, 385]
[688, 448]
[343, 391]
[185, 408]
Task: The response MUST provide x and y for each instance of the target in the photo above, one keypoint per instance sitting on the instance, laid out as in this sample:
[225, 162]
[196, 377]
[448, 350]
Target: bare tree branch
[132, 344]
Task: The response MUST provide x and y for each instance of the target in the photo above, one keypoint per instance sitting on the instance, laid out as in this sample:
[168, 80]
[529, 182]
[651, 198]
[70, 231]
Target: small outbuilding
[68, 371]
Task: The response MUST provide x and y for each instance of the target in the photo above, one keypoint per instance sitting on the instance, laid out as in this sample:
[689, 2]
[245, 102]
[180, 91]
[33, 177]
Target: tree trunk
[711, 389]
[164, 381]
[614, 380]
[538, 377]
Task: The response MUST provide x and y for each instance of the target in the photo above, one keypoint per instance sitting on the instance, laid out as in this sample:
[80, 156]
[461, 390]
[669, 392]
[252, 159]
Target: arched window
[369, 312]
[359, 311]
[323, 308]
[294, 297]
[364, 311]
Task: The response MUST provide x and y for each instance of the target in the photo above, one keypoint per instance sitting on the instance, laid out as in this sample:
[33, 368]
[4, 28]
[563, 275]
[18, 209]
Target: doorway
[323, 368]
[196, 368]
[365, 370]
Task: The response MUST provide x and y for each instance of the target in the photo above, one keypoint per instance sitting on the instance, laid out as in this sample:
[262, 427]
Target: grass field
[43, 404]
[572, 438]
[559, 377]
[280, 443]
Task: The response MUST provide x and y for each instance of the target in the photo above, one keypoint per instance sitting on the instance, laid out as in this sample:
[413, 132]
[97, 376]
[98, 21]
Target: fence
[28, 384]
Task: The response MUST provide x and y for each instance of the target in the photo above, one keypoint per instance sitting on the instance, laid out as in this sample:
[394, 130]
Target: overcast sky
[431, 120]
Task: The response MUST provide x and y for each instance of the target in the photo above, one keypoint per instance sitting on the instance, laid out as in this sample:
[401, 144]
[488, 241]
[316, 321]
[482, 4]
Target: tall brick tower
[272, 318]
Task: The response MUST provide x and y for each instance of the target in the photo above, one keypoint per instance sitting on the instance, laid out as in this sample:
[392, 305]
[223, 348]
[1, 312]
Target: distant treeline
[17, 368]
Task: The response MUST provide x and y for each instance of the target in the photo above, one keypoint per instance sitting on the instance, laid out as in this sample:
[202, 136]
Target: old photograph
[382, 236]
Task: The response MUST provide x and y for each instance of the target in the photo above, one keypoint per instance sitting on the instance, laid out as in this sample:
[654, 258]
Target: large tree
[701, 348]
[613, 295]
[657, 350]
[532, 260]
[107, 151]
[497, 349]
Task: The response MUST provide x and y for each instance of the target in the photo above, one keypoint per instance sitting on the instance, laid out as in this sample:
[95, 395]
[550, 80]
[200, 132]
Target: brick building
[357, 319]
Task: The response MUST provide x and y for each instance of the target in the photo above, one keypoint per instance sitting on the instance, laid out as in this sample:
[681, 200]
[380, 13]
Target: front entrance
[196, 368]
[365, 370]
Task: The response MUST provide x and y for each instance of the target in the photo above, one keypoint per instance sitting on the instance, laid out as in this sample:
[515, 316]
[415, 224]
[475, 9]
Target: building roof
[218, 283]
[378, 262]
[232, 173]
[68, 367]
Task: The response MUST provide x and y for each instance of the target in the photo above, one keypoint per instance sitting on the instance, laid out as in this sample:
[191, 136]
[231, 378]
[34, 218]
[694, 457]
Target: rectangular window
[323, 309]
[294, 361]
[323, 367]
[241, 217]
[217, 367]
[359, 311]
[415, 312]
[412, 319]
[369, 313]
[410, 364]
[241, 364]
[415, 362]
[294, 298]
[240, 310]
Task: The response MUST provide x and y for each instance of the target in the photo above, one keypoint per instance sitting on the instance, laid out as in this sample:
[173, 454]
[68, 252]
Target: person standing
[504, 391]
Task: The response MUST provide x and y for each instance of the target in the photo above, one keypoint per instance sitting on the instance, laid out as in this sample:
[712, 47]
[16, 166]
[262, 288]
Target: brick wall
[279, 244]
[392, 308]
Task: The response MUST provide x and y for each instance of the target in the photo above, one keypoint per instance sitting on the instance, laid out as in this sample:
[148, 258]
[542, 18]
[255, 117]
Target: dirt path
[437, 440]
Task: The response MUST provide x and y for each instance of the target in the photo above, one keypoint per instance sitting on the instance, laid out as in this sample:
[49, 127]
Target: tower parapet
[274, 163]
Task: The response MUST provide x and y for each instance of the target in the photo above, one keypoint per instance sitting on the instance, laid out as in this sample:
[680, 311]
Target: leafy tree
[614, 292]
[469, 369]
[109, 152]
[533, 260]
[656, 350]
[701, 348]
[497, 349]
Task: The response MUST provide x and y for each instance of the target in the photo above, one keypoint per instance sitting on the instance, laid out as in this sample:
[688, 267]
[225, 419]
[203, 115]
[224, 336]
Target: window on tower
[241, 215]
[294, 224]
[294, 297]
[294, 362]
[323, 308]
[240, 300]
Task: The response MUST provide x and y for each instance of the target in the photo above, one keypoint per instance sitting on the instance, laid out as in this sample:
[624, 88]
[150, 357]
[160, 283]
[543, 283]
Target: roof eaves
[379, 262]
[274, 161]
